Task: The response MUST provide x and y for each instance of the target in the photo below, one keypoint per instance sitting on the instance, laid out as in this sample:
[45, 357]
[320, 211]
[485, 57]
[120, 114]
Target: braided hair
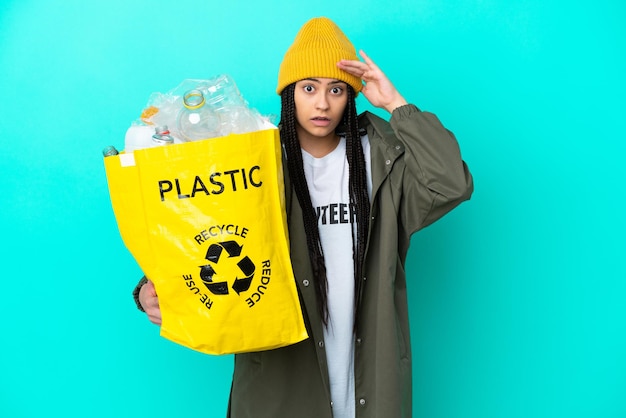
[359, 199]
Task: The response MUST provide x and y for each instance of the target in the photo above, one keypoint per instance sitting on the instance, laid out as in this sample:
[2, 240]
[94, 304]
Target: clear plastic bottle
[222, 91]
[238, 120]
[109, 151]
[196, 120]
[162, 136]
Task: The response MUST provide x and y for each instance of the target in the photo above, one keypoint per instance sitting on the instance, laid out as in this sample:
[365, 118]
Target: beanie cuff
[313, 64]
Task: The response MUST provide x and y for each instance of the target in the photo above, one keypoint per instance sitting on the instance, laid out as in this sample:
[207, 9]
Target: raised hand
[377, 88]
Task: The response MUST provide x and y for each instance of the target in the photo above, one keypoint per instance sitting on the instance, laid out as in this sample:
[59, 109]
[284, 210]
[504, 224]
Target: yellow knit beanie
[318, 47]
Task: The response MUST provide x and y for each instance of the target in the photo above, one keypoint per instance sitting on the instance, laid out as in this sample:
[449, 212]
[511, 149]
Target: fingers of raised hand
[356, 68]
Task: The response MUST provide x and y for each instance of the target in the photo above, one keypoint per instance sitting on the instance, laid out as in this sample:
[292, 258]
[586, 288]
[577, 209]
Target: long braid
[359, 199]
[295, 166]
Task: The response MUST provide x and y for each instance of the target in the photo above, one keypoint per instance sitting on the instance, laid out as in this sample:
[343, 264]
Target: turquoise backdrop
[518, 298]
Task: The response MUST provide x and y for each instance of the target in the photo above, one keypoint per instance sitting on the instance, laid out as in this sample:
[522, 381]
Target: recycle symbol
[246, 266]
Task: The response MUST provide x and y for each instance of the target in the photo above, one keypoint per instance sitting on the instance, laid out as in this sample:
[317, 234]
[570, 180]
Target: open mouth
[320, 121]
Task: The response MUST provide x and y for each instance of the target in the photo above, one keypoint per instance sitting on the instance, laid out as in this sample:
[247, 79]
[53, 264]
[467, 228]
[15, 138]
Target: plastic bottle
[109, 151]
[222, 92]
[238, 120]
[196, 120]
[145, 136]
[162, 136]
[138, 137]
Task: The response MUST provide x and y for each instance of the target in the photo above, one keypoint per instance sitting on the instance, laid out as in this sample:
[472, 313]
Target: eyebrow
[332, 82]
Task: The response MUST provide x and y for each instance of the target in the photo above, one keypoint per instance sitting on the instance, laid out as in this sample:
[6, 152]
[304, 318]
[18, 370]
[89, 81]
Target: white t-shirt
[327, 178]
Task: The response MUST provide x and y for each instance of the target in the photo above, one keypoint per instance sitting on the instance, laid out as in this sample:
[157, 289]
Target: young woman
[357, 188]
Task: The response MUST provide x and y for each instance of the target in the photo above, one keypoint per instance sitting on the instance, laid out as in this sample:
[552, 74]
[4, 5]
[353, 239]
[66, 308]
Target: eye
[308, 88]
[336, 90]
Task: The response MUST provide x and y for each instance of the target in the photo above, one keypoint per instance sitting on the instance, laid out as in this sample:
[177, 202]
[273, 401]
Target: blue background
[517, 297]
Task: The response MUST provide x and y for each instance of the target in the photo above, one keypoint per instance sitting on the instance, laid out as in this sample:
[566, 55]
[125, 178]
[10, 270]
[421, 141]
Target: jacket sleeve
[436, 179]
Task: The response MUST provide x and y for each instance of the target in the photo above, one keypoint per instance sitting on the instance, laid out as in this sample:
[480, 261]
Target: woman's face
[320, 103]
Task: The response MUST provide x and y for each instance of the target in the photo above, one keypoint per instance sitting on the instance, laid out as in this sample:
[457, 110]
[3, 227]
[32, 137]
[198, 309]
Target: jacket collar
[385, 148]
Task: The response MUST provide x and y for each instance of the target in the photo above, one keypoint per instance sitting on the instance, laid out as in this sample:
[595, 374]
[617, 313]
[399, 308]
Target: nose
[321, 102]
